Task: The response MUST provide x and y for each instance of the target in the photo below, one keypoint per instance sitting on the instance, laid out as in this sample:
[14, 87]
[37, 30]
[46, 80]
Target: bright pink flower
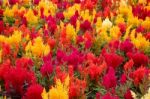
[60, 16]
[36, 1]
[109, 79]
[126, 46]
[123, 79]
[46, 69]
[34, 92]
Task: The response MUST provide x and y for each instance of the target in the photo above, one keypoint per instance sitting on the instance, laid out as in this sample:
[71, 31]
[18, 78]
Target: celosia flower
[46, 69]
[109, 96]
[128, 95]
[34, 92]
[17, 79]
[128, 65]
[95, 71]
[109, 79]
[86, 25]
[30, 17]
[113, 60]
[77, 88]
[126, 46]
[36, 1]
[70, 32]
[24, 62]
[138, 75]
[138, 59]
[60, 91]
[106, 23]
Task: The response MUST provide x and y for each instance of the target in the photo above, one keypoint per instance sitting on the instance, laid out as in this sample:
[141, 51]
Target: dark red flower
[34, 92]
[109, 79]
[12, 2]
[36, 1]
[86, 25]
[1, 26]
[128, 95]
[109, 96]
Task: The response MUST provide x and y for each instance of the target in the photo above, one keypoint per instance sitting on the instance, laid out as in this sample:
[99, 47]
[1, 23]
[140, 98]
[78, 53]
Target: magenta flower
[109, 80]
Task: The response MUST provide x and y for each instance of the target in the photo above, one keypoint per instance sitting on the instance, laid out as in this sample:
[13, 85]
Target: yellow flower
[115, 32]
[106, 23]
[77, 26]
[119, 19]
[71, 10]
[31, 18]
[142, 1]
[140, 41]
[15, 38]
[125, 10]
[44, 94]
[133, 21]
[98, 24]
[60, 91]
[49, 7]
[8, 12]
[127, 32]
[86, 15]
[71, 33]
[146, 23]
[38, 48]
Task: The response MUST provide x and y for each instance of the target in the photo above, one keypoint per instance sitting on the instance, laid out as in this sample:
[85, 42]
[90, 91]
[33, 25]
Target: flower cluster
[74, 49]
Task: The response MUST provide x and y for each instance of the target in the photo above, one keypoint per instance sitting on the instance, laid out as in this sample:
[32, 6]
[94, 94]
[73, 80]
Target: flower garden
[74, 49]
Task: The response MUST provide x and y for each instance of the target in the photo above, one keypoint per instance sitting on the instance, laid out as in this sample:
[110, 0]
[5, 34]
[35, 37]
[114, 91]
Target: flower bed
[75, 49]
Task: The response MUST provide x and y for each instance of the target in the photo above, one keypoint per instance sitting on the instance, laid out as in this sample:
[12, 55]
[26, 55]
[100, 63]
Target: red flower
[138, 75]
[138, 58]
[95, 71]
[77, 88]
[109, 96]
[34, 92]
[128, 65]
[122, 27]
[109, 80]
[17, 79]
[24, 62]
[113, 60]
[128, 95]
